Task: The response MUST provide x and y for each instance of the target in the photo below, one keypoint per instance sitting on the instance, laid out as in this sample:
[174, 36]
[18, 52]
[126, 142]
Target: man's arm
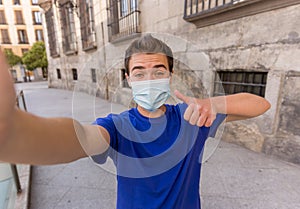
[237, 107]
[240, 106]
[26, 138]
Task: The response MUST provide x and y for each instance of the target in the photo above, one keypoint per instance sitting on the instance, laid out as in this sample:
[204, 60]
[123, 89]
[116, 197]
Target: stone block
[246, 134]
[290, 112]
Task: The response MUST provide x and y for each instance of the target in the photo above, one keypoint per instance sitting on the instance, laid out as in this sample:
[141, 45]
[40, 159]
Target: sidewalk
[232, 178]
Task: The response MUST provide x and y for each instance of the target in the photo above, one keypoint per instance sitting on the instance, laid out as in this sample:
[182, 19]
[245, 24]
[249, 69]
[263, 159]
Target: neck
[154, 114]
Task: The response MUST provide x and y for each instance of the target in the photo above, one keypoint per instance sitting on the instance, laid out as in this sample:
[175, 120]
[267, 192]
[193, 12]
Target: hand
[199, 112]
[7, 98]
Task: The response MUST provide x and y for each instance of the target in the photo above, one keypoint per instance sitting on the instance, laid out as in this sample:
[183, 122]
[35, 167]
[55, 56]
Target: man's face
[148, 67]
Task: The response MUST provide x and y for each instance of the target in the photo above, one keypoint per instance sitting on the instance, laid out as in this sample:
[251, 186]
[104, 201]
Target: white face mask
[151, 94]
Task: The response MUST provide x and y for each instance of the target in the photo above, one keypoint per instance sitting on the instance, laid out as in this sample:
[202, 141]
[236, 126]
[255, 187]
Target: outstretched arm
[26, 138]
[239, 106]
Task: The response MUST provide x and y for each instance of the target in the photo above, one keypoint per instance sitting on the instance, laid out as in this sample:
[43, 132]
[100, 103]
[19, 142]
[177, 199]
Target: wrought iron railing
[22, 104]
[9, 177]
[123, 21]
[208, 12]
[197, 7]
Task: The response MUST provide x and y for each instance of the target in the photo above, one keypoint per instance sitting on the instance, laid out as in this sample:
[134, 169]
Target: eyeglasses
[149, 74]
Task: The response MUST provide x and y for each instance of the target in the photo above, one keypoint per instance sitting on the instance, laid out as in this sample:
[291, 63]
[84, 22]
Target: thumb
[182, 97]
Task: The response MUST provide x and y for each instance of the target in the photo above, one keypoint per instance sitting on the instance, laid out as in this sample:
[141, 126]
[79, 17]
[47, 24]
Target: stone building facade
[244, 45]
[20, 27]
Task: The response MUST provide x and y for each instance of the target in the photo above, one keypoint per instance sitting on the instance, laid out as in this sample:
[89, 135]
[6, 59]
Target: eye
[160, 73]
[138, 75]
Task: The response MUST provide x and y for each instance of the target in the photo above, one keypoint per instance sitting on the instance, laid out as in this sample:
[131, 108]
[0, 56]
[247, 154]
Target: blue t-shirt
[158, 160]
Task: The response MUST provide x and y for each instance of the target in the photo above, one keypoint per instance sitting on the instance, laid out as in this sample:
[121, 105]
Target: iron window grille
[74, 73]
[87, 24]
[2, 18]
[94, 76]
[123, 19]
[23, 37]
[68, 28]
[5, 36]
[19, 18]
[36, 16]
[236, 82]
[53, 47]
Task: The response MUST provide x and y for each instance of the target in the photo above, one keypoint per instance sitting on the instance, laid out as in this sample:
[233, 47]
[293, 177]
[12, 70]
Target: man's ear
[128, 79]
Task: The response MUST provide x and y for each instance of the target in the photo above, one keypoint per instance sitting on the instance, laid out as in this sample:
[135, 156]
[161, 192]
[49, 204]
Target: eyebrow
[142, 68]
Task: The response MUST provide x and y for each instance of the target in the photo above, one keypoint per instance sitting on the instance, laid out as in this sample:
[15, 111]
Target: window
[36, 15]
[124, 7]
[22, 34]
[19, 17]
[94, 76]
[51, 33]
[74, 72]
[87, 24]
[128, 6]
[235, 82]
[123, 19]
[39, 35]
[24, 50]
[5, 37]
[14, 75]
[16, 2]
[2, 17]
[34, 2]
[58, 73]
[208, 12]
[124, 80]
[9, 50]
[68, 30]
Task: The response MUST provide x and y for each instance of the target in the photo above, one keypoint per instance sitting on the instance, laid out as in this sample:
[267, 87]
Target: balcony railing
[208, 12]
[197, 7]
[9, 177]
[123, 23]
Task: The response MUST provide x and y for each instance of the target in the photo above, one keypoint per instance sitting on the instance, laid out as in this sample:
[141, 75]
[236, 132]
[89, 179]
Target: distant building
[220, 47]
[20, 27]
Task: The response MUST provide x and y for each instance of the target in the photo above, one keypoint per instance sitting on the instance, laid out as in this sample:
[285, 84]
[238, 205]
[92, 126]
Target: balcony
[123, 20]
[209, 12]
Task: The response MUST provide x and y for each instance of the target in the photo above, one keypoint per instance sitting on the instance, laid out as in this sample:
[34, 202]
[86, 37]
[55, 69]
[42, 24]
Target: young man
[156, 147]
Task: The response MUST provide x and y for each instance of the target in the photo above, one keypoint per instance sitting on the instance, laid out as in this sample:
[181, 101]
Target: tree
[36, 57]
[11, 58]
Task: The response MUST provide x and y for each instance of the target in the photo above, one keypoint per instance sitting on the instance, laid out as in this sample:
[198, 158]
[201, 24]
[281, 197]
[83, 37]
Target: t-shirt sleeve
[108, 124]
[217, 122]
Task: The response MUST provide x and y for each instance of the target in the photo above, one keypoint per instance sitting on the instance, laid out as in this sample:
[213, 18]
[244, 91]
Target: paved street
[232, 178]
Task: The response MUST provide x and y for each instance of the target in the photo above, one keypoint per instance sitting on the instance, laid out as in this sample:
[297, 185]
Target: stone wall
[266, 42]
[286, 142]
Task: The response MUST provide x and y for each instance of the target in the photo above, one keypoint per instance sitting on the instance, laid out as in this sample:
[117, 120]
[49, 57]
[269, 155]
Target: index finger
[182, 97]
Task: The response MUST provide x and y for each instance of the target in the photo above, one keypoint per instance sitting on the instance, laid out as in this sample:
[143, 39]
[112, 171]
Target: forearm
[36, 140]
[242, 105]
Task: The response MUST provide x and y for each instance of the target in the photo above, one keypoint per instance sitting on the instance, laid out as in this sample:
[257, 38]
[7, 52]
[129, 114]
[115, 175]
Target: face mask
[151, 94]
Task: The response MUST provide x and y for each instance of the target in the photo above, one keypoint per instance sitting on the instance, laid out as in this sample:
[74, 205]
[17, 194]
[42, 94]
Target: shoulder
[113, 119]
